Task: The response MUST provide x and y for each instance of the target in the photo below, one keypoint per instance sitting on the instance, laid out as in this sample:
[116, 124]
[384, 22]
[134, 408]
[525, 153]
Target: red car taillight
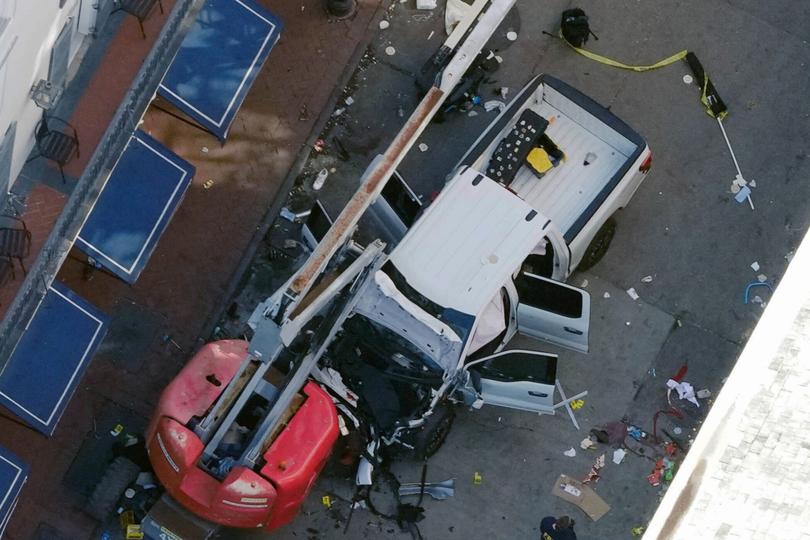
[646, 164]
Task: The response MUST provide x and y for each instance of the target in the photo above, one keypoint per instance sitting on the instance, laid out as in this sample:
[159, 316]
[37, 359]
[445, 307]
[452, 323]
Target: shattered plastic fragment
[632, 293]
[755, 266]
[571, 452]
[423, 147]
[762, 278]
[647, 279]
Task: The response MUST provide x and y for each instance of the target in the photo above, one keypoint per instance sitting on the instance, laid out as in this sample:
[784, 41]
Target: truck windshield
[460, 323]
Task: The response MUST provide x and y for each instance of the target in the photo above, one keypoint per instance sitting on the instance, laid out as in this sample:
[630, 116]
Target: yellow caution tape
[614, 63]
[705, 100]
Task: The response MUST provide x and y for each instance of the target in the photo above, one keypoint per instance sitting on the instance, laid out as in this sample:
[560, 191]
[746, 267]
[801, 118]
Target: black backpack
[574, 26]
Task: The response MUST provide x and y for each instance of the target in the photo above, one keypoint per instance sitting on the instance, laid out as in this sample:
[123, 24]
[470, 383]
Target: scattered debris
[493, 104]
[117, 430]
[204, 149]
[571, 452]
[423, 147]
[590, 157]
[503, 91]
[303, 114]
[349, 101]
[618, 455]
[477, 478]
[606, 295]
[208, 183]
[432, 32]
[593, 474]
[684, 389]
[636, 433]
[437, 490]
[577, 404]
[687, 79]
[384, 24]
[632, 293]
[320, 179]
[426, 4]
[743, 195]
[472, 113]
[664, 469]
[511, 35]
[326, 500]
[762, 278]
[752, 285]
[627, 323]
[319, 145]
[755, 266]
[390, 51]
[339, 111]
[584, 283]
[587, 444]
[647, 279]
[638, 531]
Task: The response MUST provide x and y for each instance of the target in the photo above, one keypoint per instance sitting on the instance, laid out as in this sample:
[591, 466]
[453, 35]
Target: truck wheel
[433, 433]
[121, 473]
[599, 245]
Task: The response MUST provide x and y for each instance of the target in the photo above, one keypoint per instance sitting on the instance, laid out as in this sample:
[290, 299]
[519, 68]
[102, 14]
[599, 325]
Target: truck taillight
[646, 164]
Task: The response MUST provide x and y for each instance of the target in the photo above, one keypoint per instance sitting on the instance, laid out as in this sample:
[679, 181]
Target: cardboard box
[574, 491]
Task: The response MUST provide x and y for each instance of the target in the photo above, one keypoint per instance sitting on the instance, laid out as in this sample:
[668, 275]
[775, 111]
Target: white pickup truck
[428, 323]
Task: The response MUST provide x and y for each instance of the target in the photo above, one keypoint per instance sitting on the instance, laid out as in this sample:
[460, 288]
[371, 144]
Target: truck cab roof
[468, 242]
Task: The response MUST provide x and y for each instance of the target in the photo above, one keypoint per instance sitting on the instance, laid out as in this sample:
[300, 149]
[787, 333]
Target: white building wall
[26, 40]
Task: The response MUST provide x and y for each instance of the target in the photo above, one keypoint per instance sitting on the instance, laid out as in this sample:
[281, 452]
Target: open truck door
[516, 379]
[553, 311]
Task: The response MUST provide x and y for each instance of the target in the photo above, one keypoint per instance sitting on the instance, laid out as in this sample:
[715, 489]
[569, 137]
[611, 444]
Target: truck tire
[599, 245]
[120, 474]
[431, 436]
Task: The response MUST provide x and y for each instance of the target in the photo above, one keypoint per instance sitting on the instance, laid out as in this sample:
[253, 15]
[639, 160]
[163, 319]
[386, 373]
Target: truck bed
[571, 192]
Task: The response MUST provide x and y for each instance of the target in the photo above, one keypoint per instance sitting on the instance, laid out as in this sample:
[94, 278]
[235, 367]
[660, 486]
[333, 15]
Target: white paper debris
[606, 295]
[755, 266]
[472, 113]
[632, 293]
[493, 104]
[204, 149]
[762, 278]
[432, 32]
[423, 147]
[587, 444]
[618, 455]
[425, 4]
[687, 79]
[756, 300]
[752, 183]
[511, 35]
[627, 323]
[570, 452]
[600, 462]
[705, 393]
[390, 51]
[684, 389]
[584, 283]
[647, 279]
[349, 101]
[384, 24]
[504, 91]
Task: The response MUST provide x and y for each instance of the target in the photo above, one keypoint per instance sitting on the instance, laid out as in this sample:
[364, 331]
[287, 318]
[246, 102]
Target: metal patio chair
[140, 9]
[15, 242]
[59, 145]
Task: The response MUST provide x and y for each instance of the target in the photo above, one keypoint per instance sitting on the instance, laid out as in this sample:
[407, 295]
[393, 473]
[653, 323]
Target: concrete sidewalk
[158, 322]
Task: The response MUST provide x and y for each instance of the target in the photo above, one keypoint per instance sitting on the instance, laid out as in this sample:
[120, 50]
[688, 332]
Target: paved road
[683, 228]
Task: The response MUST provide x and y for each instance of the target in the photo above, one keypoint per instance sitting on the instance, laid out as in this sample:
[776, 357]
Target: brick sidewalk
[187, 278]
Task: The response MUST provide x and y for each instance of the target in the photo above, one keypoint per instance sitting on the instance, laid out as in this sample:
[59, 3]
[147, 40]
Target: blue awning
[218, 61]
[13, 474]
[50, 358]
[135, 206]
